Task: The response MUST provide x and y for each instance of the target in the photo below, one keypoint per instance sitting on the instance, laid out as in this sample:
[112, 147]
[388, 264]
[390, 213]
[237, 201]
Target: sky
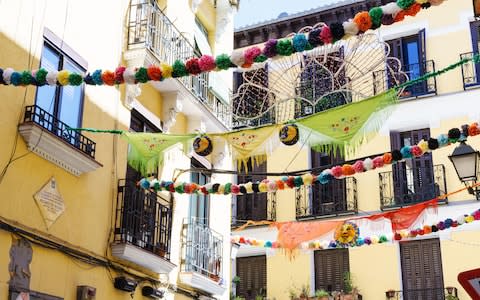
[255, 11]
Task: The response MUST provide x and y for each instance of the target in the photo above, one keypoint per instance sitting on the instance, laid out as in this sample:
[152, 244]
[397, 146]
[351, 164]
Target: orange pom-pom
[108, 77]
[413, 10]
[387, 158]
[400, 16]
[154, 73]
[473, 129]
[347, 170]
[280, 184]
[363, 21]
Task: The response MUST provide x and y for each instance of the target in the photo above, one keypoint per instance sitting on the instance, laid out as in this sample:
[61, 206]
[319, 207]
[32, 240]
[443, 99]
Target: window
[65, 103]
[13, 295]
[252, 206]
[422, 274]
[199, 203]
[410, 51]
[413, 178]
[253, 276]
[471, 70]
[318, 78]
[252, 100]
[330, 268]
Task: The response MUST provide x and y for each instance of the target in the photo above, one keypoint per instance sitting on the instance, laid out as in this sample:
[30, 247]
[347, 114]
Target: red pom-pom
[154, 73]
[119, 74]
[192, 66]
[397, 236]
[108, 77]
[290, 182]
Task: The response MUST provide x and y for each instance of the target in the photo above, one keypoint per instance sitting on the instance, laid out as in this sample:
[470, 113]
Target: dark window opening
[330, 269]
[252, 272]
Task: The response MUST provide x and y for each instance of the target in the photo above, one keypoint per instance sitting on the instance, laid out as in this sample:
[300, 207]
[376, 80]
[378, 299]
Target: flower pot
[450, 290]
[348, 297]
[323, 298]
[390, 294]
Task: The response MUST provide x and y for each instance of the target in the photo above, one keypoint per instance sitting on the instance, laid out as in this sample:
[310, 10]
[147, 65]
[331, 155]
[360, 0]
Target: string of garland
[372, 240]
[325, 34]
[453, 136]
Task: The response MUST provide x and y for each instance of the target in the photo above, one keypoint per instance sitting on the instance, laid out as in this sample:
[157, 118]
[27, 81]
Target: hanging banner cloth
[251, 143]
[346, 125]
[405, 217]
[146, 150]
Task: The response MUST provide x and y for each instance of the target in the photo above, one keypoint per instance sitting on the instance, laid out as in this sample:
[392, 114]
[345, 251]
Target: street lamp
[466, 160]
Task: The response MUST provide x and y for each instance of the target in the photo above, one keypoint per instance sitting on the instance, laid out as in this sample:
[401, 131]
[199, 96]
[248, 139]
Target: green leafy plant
[321, 293]
[292, 294]
[347, 282]
[451, 297]
[304, 291]
[236, 280]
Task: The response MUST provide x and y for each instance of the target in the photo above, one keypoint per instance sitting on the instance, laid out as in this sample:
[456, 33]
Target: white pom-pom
[391, 9]
[129, 75]
[461, 220]
[350, 27]
[7, 75]
[237, 58]
[52, 77]
[368, 164]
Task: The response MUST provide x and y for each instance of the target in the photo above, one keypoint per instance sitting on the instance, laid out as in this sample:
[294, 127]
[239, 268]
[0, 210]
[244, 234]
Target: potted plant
[451, 297]
[450, 290]
[390, 294]
[304, 291]
[292, 294]
[321, 294]
[350, 291]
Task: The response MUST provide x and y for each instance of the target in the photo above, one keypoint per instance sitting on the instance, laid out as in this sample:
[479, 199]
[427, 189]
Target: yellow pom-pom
[421, 1]
[423, 145]
[221, 189]
[307, 179]
[469, 219]
[249, 187]
[62, 77]
[374, 239]
[262, 187]
[166, 70]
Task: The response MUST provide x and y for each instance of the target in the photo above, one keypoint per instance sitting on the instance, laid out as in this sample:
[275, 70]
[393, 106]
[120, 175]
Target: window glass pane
[71, 99]
[46, 94]
[413, 59]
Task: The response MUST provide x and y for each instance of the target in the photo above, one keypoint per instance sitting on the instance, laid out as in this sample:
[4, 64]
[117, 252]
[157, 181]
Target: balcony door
[422, 273]
[411, 53]
[330, 198]
[413, 178]
[199, 203]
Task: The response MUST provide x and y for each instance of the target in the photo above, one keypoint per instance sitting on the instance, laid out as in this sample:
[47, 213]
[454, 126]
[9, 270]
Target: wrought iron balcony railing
[383, 80]
[470, 71]
[53, 125]
[405, 186]
[143, 219]
[203, 250]
[338, 197]
[255, 207]
[150, 28]
[424, 294]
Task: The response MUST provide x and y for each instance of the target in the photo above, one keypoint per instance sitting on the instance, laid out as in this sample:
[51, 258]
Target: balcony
[470, 71]
[382, 80]
[255, 207]
[143, 227]
[153, 38]
[202, 266]
[424, 294]
[52, 139]
[405, 186]
[336, 198]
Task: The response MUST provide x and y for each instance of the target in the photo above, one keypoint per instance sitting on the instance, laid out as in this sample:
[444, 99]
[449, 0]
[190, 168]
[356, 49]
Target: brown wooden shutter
[253, 276]
[252, 206]
[422, 273]
[330, 268]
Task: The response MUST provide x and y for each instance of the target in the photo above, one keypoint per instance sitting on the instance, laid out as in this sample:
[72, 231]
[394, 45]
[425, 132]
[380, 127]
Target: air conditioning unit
[151, 292]
[125, 284]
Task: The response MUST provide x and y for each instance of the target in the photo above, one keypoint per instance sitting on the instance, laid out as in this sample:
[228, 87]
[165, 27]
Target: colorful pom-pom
[167, 70]
[363, 21]
[325, 176]
[206, 63]
[442, 140]
[391, 8]
[433, 144]
[396, 155]
[178, 69]
[326, 35]
[62, 77]
[314, 37]
[7, 75]
[237, 58]
[473, 129]
[307, 179]
[337, 172]
[192, 66]
[423, 145]
[75, 79]
[348, 170]
[235, 189]
[108, 78]
[400, 16]
[270, 49]
[378, 162]
[368, 164]
[41, 77]
[358, 166]
[416, 151]
[141, 75]
[15, 78]
[387, 158]
[298, 181]
[119, 75]
[129, 75]
[376, 16]
[387, 19]
[453, 135]
[223, 61]
[284, 47]
[413, 10]
[280, 184]
[337, 31]
[299, 42]
[261, 58]
[406, 152]
[350, 27]
[404, 4]
[154, 73]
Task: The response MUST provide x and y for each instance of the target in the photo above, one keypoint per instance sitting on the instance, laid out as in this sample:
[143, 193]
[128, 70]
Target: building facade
[73, 222]
[419, 268]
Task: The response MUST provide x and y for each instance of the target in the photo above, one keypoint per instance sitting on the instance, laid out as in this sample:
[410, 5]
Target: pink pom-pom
[235, 189]
[326, 35]
[416, 151]
[337, 172]
[378, 162]
[206, 63]
[272, 186]
[251, 53]
[358, 166]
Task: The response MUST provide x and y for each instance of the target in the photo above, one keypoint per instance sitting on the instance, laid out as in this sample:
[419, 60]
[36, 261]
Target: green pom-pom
[180, 188]
[284, 47]
[179, 69]
[223, 62]
[41, 76]
[26, 78]
[298, 181]
[75, 79]
[261, 58]
[376, 16]
[228, 188]
[383, 239]
[404, 4]
[141, 75]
